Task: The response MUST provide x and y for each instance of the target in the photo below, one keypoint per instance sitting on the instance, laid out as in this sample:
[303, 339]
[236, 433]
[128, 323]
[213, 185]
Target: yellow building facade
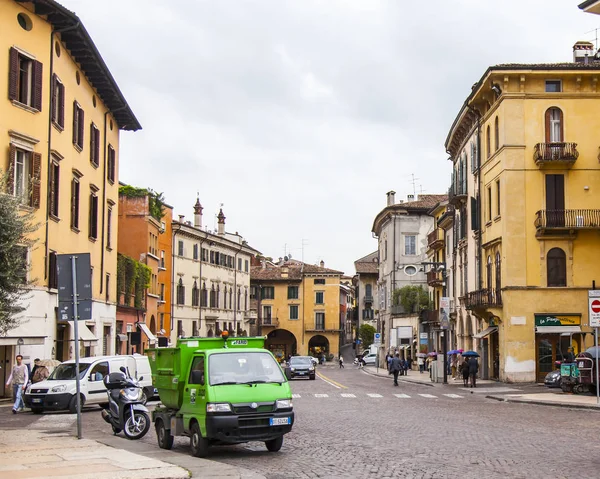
[298, 308]
[60, 118]
[538, 211]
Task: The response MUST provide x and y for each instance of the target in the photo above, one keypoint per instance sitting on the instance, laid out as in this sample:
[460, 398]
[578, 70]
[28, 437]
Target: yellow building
[538, 217]
[60, 119]
[298, 307]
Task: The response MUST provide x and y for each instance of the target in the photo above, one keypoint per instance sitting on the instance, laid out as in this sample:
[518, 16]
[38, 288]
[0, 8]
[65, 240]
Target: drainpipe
[46, 245]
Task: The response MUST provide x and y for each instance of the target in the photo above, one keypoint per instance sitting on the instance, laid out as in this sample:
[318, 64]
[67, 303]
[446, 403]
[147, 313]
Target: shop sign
[549, 319]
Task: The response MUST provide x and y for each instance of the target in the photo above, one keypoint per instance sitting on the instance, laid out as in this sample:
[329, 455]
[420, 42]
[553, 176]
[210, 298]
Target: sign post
[594, 315]
[377, 343]
[445, 324]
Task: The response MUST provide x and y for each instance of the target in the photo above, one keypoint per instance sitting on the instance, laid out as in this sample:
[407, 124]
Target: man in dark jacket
[473, 369]
[395, 367]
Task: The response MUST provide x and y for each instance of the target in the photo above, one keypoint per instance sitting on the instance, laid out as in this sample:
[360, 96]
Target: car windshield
[67, 371]
[243, 368]
[301, 361]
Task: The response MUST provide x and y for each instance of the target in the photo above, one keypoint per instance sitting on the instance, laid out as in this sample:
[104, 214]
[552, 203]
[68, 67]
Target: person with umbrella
[464, 369]
[473, 369]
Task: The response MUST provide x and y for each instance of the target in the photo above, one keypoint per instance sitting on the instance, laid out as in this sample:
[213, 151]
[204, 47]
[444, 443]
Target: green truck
[220, 391]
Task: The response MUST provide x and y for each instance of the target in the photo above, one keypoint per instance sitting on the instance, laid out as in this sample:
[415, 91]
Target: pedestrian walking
[464, 369]
[395, 368]
[19, 377]
[341, 362]
[389, 363]
[473, 369]
[454, 365]
[421, 364]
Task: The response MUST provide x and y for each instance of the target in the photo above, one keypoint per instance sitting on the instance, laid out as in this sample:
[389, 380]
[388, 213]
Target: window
[58, 102]
[496, 134]
[553, 86]
[293, 292]
[212, 296]
[93, 219]
[246, 300]
[369, 291]
[319, 297]
[268, 292]
[267, 315]
[179, 328]
[230, 298]
[162, 293]
[99, 371]
[195, 254]
[497, 197]
[94, 145]
[225, 297]
[52, 271]
[239, 264]
[195, 295]
[75, 203]
[554, 125]
[180, 248]
[24, 176]
[197, 371]
[180, 292]
[498, 273]
[489, 203]
[557, 267]
[217, 293]
[410, 270]
[107, 287]
[410, 245]
[25, 80]
[54, 188]
[239, 298]
[161, 321]
[489, 272]
[78, 122]
[246, 266]
[204, 253]
[385, 250]
[488, 142]
[320, 321]
[109, 228]
[204, 296]
[111, 167]
[162, 260]
[294, 311]
[319, 281]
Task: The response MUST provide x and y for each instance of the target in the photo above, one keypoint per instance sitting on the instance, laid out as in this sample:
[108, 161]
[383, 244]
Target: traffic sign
[594, 308]
[377, 339]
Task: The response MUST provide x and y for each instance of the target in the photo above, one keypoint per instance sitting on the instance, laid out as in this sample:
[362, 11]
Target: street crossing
[375, 395]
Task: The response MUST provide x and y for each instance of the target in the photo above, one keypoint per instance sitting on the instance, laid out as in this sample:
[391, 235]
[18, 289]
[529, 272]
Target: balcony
[457, 193]
[435, 239]
[368, 315]
[484, 298]
[319, 327]
[368, 299]
[435, 278]
[429, 316]
[270, 323]
[561, 220]
[447, 217]
[556, 154]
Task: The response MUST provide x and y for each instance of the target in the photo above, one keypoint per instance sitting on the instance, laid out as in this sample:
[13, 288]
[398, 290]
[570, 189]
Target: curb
[543, 403]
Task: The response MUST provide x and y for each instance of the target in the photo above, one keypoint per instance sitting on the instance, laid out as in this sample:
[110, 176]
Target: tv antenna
[595, 31]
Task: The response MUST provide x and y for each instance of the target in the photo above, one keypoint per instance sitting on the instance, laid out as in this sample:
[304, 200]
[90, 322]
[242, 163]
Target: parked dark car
[552, 379]
[300, 367]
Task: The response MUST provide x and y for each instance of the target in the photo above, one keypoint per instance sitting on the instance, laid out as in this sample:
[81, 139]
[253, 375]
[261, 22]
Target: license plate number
[302, 373]
[279, 421]
[36, 400]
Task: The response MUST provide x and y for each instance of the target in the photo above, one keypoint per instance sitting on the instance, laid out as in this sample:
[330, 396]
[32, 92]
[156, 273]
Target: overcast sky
[299, 115]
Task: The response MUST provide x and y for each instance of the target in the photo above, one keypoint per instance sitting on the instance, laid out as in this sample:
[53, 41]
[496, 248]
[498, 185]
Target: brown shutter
[38, 70]
[97, 153]
[37, 175]
[547, 121]
[81, 128]
[75, 122]
[12, 157]
[560, 117]
[53, 99]
[13, 74]
[92, 145]
[73, 198]
[61, 105]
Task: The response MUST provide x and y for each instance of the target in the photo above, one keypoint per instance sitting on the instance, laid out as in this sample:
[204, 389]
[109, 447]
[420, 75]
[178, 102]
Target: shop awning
[557, 329]
[147, 332]
[20, 341]
[122, 337]
[84, 333]
[486, 332]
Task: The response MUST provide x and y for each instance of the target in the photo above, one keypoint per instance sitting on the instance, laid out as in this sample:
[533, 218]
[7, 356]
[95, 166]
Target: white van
[58, 392]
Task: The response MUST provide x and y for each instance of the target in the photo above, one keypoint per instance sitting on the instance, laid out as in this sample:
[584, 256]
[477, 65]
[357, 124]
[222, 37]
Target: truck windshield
[243, 368]
[67, 371]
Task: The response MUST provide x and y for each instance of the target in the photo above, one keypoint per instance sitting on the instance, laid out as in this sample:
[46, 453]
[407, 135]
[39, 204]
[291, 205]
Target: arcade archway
[318, 345]
[281, 343]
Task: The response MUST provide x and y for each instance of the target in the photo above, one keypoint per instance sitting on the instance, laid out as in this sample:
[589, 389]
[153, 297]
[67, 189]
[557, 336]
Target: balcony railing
[270, 322]
[368, 314]
[435, 239]
[483, 298]
[567, 219]
[430, 316]
[448, 214]
[368, 299]
[457, 193]
[397, 309]
[434, 278]
[545, 154]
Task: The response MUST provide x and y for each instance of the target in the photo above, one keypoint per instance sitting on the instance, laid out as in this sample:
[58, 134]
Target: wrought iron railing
[368, 299]
[483, 298]
[567, 219]
[556, 151]
[435, 239]
[434, 278]
[430, 316]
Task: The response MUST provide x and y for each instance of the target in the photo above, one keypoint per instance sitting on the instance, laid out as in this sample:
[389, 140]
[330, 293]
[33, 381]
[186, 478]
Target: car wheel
[198, 444]
[73, 404]
[274, 445]
[312, 377]
[37, 410]
[165, 439]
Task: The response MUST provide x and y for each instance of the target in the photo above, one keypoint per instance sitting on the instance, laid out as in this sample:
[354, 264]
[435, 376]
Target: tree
[366, 333]
[411, 298]
[16, 226]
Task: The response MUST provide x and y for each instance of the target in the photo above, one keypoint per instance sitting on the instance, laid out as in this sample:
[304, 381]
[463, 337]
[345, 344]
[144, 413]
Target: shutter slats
[75, 123]
[12, 158]
[38, 69]
[61, 105]
[53, 99]
[81, 127]
[13, 74]
[36, 184]
[92, 145]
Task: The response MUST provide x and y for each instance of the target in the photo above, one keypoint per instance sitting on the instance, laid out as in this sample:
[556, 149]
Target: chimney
[322, 264]
[583, 51]
[221, 226]
[181, 218]
[198, 214]
[410, 198]
[263, 263]
[391, 197]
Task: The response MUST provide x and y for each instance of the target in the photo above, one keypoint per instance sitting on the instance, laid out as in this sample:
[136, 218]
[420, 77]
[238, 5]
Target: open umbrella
[454, 351]
[470, 354]
[594, 351]
[49, 363]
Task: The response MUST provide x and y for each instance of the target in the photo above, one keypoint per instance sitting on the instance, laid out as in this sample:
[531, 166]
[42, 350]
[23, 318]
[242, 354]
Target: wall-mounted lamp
[496, 89]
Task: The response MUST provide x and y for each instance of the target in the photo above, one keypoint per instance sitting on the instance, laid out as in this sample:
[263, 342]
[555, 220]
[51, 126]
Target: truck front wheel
[165, 439]
[198, 444]
[274, 444]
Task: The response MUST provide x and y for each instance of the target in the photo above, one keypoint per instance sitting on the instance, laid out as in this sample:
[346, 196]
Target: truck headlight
[131, 394]
[218, 407]
[283, 404]
[58, 389]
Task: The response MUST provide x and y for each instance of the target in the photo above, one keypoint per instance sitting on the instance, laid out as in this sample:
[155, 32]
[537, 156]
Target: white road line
[328, 382]
[375, 395]
[296, 396]
[428, 396]
[402, 396]
[321, 395]
[453, 396]
[346, 395]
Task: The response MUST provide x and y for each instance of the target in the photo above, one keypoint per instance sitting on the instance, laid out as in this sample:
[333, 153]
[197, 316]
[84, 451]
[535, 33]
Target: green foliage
[156, 201]
[366, 333]
[16, 226]
[133, 278]
[411, 298]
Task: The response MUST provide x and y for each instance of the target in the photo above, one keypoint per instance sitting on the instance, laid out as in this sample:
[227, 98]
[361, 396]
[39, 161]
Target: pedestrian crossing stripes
[321, 395]
[296, 396]
[347, 395]
[453, 396]
[402, 396]
[428, 396]
[375, 395]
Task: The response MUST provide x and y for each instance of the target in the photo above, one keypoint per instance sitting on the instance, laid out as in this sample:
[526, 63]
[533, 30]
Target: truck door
[194, 394]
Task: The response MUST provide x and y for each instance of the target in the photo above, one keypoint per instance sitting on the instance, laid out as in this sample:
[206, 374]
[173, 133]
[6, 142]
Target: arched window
[180, 292]
[225, 297]
[488, 142]
[554, 125]
[230, 298]
[239, 297]
[195, 295]
[212, 296]
[204, 296]
[498, 273]
[368, 290]
[557, 267]
[489, 272]
[217, 293]
[246, 300]
[496, 134]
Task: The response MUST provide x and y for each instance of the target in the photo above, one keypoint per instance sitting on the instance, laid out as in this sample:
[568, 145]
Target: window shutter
[12, 158]
[474, 215]
[53, 99]
[547, 122]
[81, 128]
[560, 117]
[93, 158]
[37, 175]
[75, 123]
[37, 85]
[61, 105]
[13, 74]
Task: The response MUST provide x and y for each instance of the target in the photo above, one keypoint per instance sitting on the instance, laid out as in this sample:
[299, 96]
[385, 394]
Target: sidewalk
[550, 398]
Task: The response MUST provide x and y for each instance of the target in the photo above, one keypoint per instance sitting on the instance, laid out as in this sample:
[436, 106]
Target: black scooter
[126, 411]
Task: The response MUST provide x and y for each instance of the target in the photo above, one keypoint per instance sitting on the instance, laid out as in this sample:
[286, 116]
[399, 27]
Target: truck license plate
[279, 421]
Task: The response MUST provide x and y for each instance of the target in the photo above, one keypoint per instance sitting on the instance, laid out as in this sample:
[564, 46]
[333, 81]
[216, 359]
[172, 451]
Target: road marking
[402, 396]
[453, 396]
[296, 396]
[428, 396]
[331, 382]
[375, 395]
[321, 395]
[348, 395]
